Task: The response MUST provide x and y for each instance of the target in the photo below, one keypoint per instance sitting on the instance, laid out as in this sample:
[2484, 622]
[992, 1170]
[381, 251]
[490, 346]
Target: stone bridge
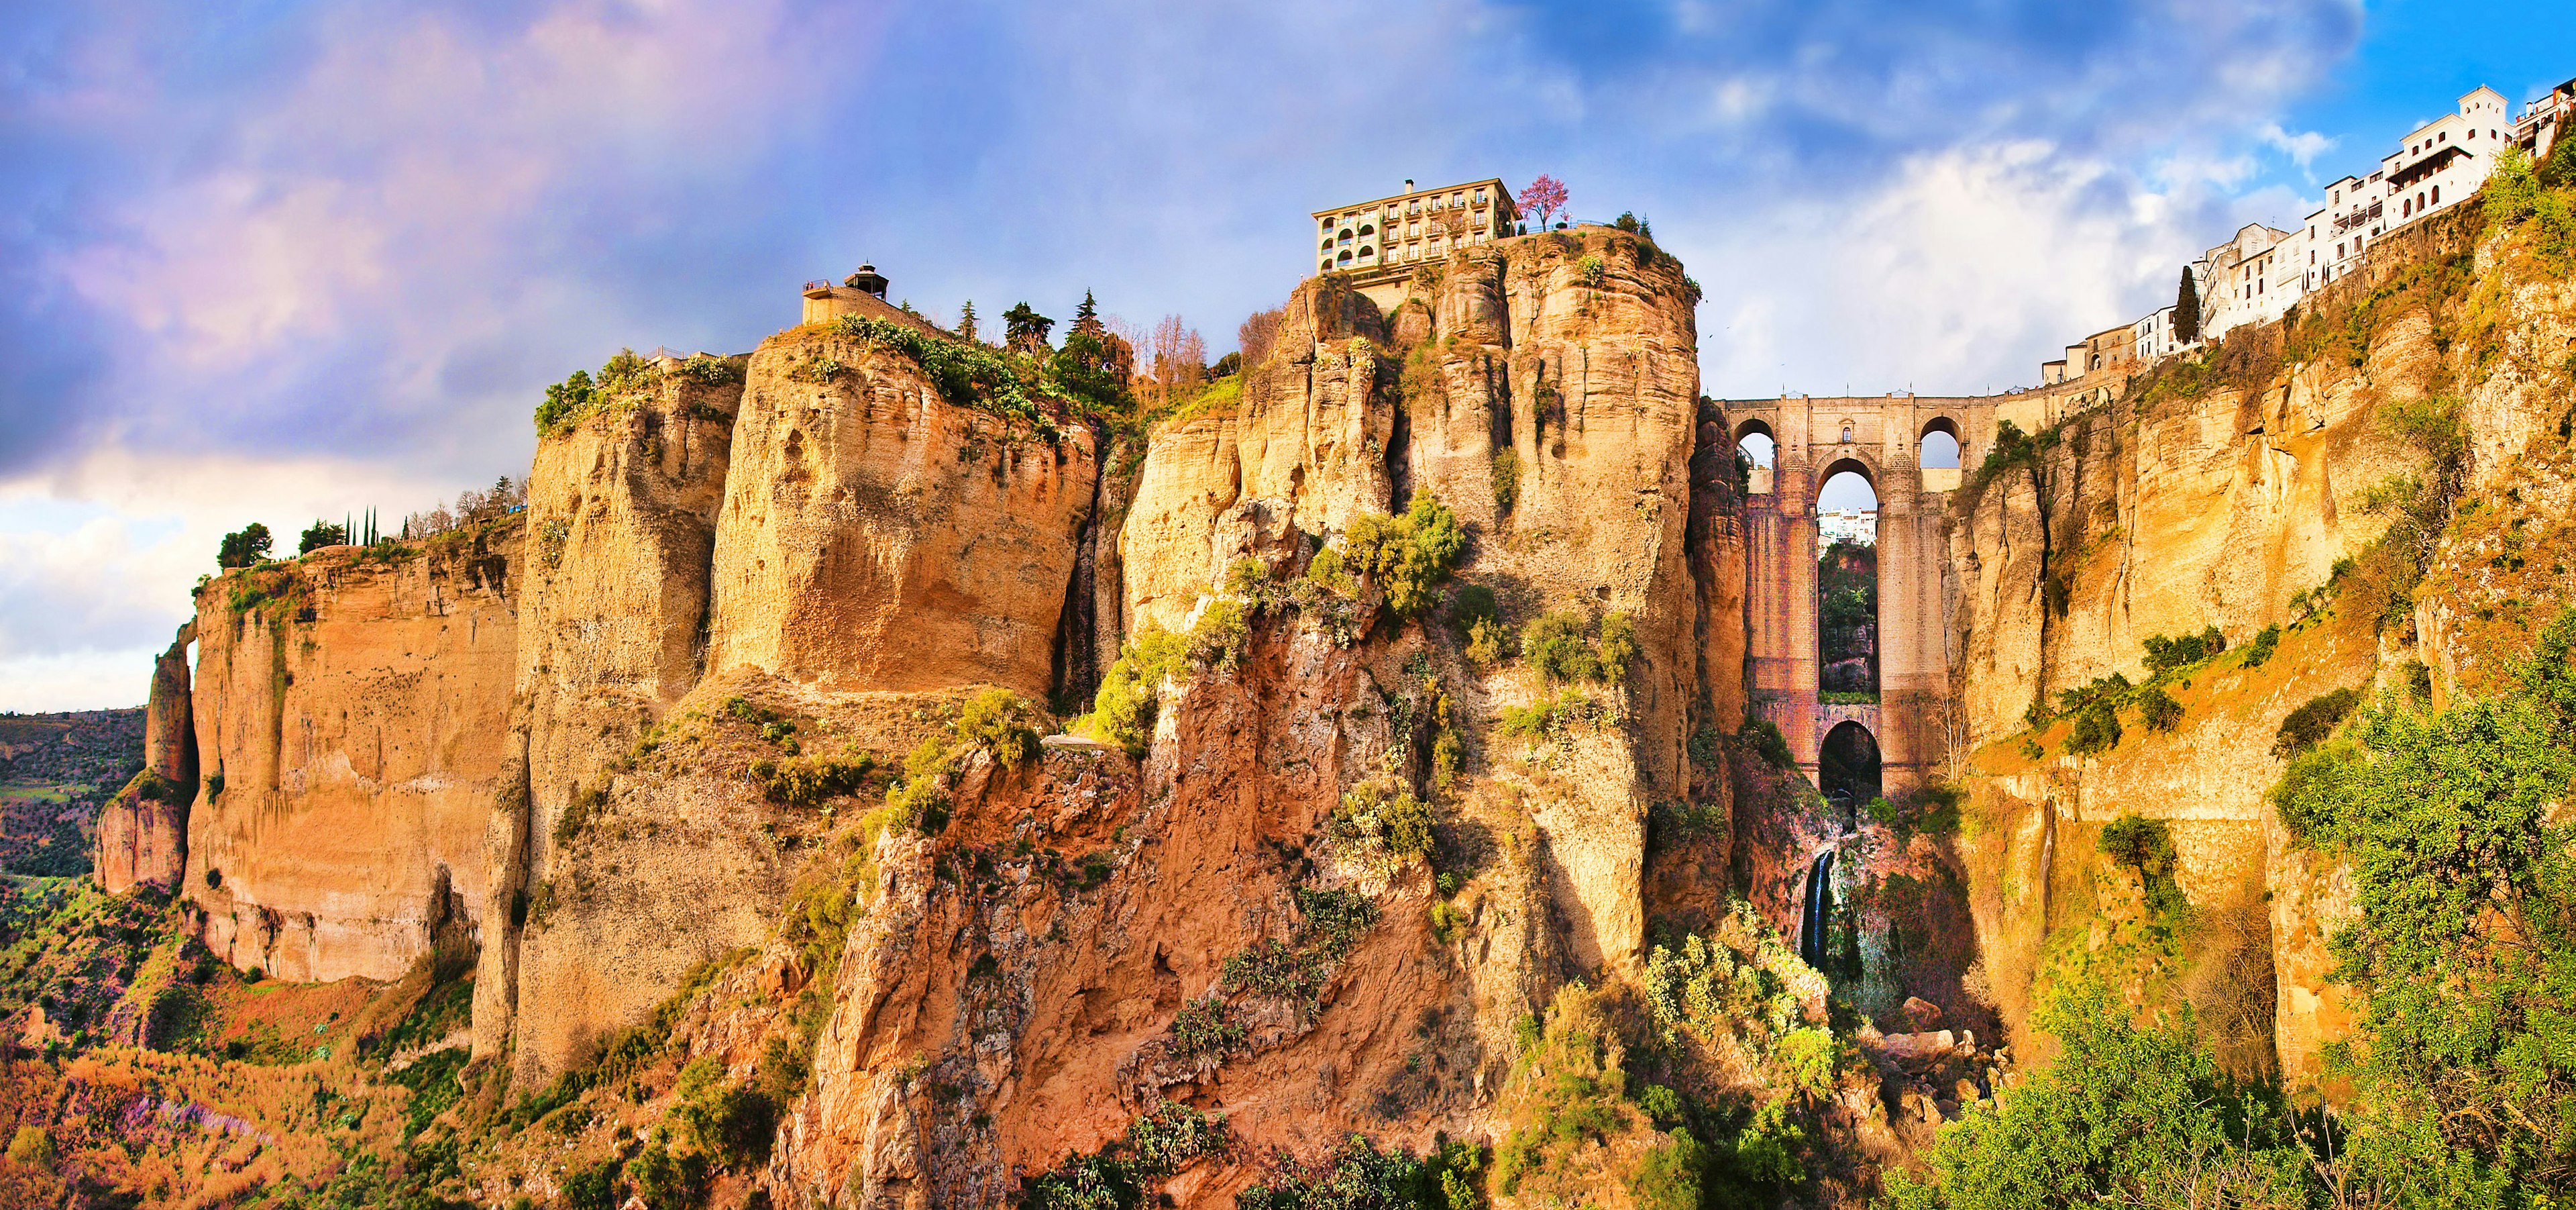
[1881, 439]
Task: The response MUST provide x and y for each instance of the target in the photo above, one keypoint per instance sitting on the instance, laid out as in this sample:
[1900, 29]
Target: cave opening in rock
[1847, 769]
[1847, 586]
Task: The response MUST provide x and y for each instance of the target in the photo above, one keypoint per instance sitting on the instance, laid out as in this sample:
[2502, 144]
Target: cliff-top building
[1381, 240]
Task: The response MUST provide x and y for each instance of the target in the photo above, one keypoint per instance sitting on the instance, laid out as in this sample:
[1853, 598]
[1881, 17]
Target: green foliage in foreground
[2126, 1116]
[2462, 951]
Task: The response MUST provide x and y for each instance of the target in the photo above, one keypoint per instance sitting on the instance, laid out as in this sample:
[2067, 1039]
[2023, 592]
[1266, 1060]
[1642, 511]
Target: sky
[269, 260]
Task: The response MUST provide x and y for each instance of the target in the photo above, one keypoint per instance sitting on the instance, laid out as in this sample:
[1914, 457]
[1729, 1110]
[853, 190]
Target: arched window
[1346, 237]
[1367, 230]
[1847, 432]
[1345, 257]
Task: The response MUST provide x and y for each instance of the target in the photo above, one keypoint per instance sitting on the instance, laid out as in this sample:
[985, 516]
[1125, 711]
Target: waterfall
[1820, 904]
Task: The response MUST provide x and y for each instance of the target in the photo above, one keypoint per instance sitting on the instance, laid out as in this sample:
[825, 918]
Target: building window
[2437, 195]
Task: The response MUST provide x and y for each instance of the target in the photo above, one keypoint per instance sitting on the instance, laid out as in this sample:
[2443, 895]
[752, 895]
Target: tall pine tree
[2186, 320]
[966, 322]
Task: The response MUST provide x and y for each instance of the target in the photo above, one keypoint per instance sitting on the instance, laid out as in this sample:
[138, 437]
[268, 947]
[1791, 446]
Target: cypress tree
[2187, 309]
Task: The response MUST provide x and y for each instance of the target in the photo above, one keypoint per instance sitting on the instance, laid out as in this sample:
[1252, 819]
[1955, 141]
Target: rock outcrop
[143, 831]
[352, 714]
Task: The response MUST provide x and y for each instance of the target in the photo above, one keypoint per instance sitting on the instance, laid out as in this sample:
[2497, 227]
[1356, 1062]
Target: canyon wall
[143, 831]
[351, 714]
[2215, 495]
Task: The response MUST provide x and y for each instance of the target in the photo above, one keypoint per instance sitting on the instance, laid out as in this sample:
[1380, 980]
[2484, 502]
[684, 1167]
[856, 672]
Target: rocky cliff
[989, 776]
[351, 714]
[2255, 489]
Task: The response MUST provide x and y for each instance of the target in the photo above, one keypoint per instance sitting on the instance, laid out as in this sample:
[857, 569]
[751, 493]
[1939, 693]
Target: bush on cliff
[2308, 726]
[999, 722]
[1122, 712]
[1408, 556]
[244, 547]
[2125, 1116]
[2166, 654]
[1567, 646]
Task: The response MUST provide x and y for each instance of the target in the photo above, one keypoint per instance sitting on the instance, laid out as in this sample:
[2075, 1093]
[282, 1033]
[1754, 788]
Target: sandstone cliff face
[875, 537]
[143, 831]
[2181, 507]
[1569, 367]
[354, 713]
[613, 605]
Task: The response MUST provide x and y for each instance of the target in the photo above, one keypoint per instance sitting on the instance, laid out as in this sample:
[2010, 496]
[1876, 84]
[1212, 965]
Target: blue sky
[266, 261]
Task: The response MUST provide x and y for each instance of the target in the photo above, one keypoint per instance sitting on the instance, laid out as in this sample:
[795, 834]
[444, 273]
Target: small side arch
[1758, 455]
[1939, 454]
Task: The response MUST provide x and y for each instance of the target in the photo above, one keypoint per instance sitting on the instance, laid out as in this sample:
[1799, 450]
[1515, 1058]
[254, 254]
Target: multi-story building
[2544, 120]
[2441, 163]
[2261, 273]
[1383, 239]
[1858, 526]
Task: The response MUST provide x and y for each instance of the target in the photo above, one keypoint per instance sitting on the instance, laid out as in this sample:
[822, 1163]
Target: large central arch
[1882, 440]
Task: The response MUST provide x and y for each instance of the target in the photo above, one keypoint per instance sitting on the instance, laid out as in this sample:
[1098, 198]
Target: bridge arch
[1848, 767]
[1855, 464]
[1940, 454]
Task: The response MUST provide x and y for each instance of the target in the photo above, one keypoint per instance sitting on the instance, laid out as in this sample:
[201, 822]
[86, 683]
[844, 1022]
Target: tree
[1544, 197]
[1180, 356]
[1024, 329]
[966, 322]
[321, 534]
[244, 546]
[1086, 318]
[2186, 320]
[1254, 337]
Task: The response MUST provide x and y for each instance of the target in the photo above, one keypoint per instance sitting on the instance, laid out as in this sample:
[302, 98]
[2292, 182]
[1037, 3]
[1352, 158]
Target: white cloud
[96, 559]
[1966, 265]
[2302, 147]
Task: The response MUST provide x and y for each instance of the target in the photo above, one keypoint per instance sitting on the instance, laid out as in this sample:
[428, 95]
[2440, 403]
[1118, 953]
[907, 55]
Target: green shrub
[1558, 646]
[2116, 1120]
[1373, 814]
[1552, 717]
[1668, 1177]
[667, 1180]
[1122, 712]
[2166, 654]
[806, 781]
[2266, 641]
[1507, 480]
[1220, 636]
[1408, 557]
[1205, 1028]
[1357, 1176]
[2096, 729]
[731, 1124]
[1763, 737]
[31, 1147]
[2158, 710]
[2308, 726]
[586, 803]
[1159, 1142]
[998, 721]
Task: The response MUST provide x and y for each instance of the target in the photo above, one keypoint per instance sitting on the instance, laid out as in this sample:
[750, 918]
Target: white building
[2439, 166]
[2544, 120]
[1858, 526]
[2261, 273]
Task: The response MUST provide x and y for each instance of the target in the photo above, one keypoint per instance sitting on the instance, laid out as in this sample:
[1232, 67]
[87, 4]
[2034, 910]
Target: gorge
[883, 769]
